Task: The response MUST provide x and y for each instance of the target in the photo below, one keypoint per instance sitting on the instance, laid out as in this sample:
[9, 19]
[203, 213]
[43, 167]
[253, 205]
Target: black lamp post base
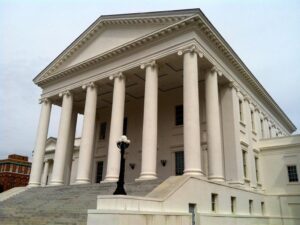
[120, 191]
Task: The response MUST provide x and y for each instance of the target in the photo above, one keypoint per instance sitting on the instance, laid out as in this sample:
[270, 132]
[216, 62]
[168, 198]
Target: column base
[56, 183]
[110, 180]
[82, 181]
[193, 172]
[33, 184]
[148, 176]
[215, 178]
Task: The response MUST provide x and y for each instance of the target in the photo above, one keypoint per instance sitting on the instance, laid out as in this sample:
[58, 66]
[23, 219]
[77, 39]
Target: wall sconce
[132, 165]
[163, 162]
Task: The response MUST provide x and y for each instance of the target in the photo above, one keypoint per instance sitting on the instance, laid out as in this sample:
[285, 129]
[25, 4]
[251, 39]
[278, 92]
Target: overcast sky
[265, 34]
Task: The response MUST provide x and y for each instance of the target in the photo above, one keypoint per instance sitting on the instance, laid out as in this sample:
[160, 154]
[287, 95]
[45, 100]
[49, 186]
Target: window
[245, 163]
[179, 115]
[214, 199]
[262, 205]
[250, 206]
[102, 131]
[262, 128]
[233, 204]
[292, 173]
[125, 126]
[241, 110]
[179, 163]
[252, 121]
[192, 210]
[256, 168]
[270, 132]
[99, 171]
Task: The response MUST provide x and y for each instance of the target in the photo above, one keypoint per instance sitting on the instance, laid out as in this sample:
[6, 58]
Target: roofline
[190, 11]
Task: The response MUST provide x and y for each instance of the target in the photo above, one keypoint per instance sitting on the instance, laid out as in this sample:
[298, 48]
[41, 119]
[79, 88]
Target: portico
[185, 70]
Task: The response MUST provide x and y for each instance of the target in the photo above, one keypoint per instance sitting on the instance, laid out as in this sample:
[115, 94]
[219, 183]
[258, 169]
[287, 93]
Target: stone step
[66, 205]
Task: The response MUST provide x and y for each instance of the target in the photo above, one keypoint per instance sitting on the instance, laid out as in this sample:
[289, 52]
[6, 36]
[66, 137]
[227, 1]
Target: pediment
[109, 38]
[109, 32]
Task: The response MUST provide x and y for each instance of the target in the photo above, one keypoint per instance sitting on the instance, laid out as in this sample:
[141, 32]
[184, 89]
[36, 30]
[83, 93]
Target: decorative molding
[44, 100]
[118, 75]
[152, 63]
[67, 93]
[91, 85]
[257, 109]
[233, 84]
[247, 98]
[216, 70]
[191, 49]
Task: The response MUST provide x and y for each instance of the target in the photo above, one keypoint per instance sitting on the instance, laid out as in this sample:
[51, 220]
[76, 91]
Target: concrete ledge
[104, 217]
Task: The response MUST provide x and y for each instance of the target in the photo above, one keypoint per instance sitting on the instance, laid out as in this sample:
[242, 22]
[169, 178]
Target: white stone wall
[276, 155]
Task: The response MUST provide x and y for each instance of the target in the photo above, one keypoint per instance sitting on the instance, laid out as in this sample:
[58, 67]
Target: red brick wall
[9, 180]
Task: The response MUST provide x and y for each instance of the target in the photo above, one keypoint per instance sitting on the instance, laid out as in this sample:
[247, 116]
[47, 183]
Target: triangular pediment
[109, 32]
[109, 38]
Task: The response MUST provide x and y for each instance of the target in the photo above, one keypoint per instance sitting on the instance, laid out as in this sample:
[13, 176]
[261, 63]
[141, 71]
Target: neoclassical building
[197, 118]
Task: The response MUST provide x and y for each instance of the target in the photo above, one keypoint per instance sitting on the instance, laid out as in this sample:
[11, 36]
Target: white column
[191, 120]
[62, 140]
[273, 130]
[149, 140]
[70, 149]
[250, 152]
[40, 145]
[266, 127]
[214, 140]
[87, 139]
[116, 129]
[231, 122]
[257, 123]
[45, 173]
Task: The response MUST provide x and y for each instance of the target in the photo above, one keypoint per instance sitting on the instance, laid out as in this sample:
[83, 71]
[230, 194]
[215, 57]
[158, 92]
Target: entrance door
[99, 171]
[179, 163]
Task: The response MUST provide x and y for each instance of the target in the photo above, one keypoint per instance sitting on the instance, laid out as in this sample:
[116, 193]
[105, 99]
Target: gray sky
[265, 34]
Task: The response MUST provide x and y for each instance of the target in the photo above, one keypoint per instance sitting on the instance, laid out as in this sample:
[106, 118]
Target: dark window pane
[179, 163]
[102, 131]
[292, 173]
[99, 171]
[179, 115]
[125, 126]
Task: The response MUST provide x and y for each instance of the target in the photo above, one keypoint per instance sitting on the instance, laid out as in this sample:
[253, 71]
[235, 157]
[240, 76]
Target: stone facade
[14, 172]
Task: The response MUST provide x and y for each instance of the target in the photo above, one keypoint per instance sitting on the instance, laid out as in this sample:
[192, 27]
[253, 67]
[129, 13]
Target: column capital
[67, 93]
[256, 109]
[90, 84]
[117, 75]
[44, 100]
[190, 49]
[247, 98]
[152, 63]
[233, 84]
[216, 69]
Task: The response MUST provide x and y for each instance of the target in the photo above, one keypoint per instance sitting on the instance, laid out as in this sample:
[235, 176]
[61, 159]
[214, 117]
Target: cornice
[201, 23]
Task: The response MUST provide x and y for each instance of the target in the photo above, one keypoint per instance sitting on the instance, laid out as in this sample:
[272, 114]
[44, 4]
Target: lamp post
[122, 144]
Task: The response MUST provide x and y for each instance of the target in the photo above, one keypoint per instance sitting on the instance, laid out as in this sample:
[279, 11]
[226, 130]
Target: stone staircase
[64, 205]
